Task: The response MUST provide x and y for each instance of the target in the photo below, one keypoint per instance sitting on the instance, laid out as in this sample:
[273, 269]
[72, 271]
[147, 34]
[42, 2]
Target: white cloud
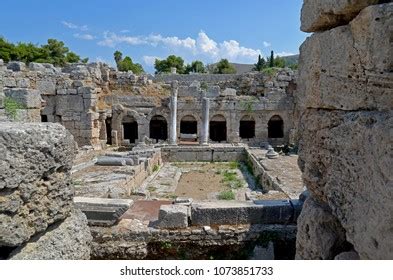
[74, 26]
[125, 31]
[284, 54]
[84, 36]
[150, 60]
[155, 40]
[203, 47]
[111, 40]
[266, 44]
[207, 45]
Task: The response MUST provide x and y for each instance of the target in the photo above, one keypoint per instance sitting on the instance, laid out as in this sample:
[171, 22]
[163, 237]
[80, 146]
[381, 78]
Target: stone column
[173, 130]
[204, 140]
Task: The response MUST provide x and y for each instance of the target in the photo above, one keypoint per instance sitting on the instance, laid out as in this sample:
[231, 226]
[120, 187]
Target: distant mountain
[291, 59]
[244, 68]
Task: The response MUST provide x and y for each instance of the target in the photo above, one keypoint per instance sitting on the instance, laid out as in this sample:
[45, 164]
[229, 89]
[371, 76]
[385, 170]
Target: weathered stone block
[348, 167]
[321, 15]
[66, 103]
[173, 216]
[35, 188]
[68, 240]
[354, 74]
[23, 83]
[28, 98]
[320, 235]
[16, 66]
[46, 86]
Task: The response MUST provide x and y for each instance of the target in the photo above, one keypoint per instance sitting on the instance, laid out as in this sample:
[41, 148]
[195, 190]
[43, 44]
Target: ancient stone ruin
[102, 164]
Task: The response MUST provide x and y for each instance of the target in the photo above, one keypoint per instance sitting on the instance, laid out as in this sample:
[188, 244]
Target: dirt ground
[199, 185]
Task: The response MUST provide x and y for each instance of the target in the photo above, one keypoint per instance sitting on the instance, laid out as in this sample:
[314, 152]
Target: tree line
[54, 52]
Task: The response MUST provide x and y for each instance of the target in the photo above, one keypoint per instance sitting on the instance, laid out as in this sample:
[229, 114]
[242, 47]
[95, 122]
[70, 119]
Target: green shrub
[226, 195]
[11, 106]
[156, 168]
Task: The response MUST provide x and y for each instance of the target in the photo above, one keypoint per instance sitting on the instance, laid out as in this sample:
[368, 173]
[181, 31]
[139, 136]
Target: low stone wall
[203, 153]
[266, 180]
[256, 212]
[131, 240]
[37, 216]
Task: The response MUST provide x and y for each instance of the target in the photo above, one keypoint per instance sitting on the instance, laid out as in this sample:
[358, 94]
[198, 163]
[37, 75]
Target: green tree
[271, 60]
[54, 52]
[127, 64]
[261, 64]
[165, 65]
[195, 67]
[279, 62]
[224, 67]
[118, 57]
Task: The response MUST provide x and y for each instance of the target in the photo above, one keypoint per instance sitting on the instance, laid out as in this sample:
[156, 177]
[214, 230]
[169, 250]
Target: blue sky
[146, 29]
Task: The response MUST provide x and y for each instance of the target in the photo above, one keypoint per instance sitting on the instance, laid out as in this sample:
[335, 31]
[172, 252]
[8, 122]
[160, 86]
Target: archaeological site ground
[284, 164]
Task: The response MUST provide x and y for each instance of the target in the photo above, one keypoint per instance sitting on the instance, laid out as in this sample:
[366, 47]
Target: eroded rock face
[35, 187]
[322, 237]
[68, 240]
[321, 15]
[348, 167]
[345, 102]
[348, 67]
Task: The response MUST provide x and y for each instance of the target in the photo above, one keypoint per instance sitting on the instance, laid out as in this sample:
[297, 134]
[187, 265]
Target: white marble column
[204, 140]
[173, 130]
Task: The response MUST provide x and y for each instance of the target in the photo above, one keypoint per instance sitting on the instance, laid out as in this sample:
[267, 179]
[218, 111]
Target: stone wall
[37, 215]
[345, 100]
[92, 99]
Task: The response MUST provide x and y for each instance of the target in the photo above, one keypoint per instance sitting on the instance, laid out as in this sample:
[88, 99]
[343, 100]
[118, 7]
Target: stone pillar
[173, 129]
[102, 126]
[115, 139]
[204, 140]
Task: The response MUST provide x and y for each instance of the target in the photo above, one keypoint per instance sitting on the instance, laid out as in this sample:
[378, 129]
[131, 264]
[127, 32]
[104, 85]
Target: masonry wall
[345, 100]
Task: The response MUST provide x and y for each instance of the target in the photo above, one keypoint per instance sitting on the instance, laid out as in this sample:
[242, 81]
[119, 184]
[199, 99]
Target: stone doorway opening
[158, 128]
[247, 127]
[130, 129]
[188, 125]
[276, 127]
[108, 128]
[218, 129]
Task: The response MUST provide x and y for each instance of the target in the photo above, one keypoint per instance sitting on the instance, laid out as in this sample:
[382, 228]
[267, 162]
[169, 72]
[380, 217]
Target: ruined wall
[37, 216]
[345, 100]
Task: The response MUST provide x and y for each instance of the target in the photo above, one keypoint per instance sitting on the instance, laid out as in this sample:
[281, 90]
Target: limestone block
[350, 255]
[321, 15]
[23, 83]
[66, 103]
[346, 159]
[16, 66]
[320, 235]
[173, 216]
[46, 86]
[9, 82]
[28, 98]
[355, 73]
[72, 91]
[35, 187]
[36, 66]
[2, 97]
[67, 240]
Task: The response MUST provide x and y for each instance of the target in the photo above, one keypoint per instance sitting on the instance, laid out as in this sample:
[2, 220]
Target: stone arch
[158, 128]
[218, 128]
[247, 127]
[275, 127]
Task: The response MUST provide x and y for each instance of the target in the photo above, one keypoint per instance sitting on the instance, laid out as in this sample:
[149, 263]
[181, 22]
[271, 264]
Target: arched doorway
[158, 128]
[247, 127]
[218, 128]
[130, 129]
[275, 127]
